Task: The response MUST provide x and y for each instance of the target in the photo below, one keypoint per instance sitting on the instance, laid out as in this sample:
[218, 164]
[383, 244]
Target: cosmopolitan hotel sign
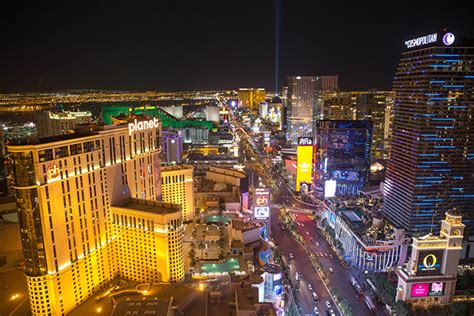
[424, 40]
[447, 39]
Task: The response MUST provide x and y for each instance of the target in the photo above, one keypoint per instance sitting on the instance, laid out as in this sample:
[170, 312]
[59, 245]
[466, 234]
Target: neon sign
[429, 262]
[423, 40]
[448, 39]
[142, 125]
[53, 172]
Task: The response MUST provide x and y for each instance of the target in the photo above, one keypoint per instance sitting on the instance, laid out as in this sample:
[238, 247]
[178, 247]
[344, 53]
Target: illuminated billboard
[429, 262]
[261, 203]
[304, 161]
[427, 289]
[420, 289]
[330, 188]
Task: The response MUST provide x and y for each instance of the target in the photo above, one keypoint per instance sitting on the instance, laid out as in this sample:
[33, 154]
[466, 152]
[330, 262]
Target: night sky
[198, 45]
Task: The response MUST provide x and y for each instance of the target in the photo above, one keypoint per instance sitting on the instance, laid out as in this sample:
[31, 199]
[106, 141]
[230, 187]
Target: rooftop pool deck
[231, 264]
[218, 218]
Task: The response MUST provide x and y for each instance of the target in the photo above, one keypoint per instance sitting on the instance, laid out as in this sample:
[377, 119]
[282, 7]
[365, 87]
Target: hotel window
[88, 146]
[45, 155]
[76, 149]
[61, 152]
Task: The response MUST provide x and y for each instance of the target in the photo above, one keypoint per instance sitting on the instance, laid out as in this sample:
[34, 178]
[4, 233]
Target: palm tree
[201, 246]
[192, 256]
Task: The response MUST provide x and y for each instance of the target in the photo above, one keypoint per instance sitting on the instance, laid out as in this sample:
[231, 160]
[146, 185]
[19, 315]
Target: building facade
[66, 186]
[432, 148]
[376, 107]
[343, 154]
[59, 123]
[172, 146]
[3, 171]
[149, 241]
[301, 102]
[431, 273]
[251, 97]
[367, 255]
[178, 187]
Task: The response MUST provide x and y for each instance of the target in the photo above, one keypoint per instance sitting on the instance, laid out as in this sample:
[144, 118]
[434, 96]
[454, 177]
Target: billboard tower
[304, 162]
[430, 275]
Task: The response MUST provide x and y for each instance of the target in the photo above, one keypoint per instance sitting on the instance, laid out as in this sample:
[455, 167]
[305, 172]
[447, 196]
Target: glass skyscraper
[432, 147]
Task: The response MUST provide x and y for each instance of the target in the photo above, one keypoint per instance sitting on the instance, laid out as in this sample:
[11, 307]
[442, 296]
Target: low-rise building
[370, 245]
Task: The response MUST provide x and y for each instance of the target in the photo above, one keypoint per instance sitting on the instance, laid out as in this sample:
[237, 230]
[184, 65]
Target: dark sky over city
[197, 45]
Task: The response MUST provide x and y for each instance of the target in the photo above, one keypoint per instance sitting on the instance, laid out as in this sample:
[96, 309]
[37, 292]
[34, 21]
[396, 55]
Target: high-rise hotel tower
[88, 213]
[432, 148]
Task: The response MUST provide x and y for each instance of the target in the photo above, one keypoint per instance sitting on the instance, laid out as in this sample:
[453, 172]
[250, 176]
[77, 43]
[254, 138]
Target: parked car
[328, 304]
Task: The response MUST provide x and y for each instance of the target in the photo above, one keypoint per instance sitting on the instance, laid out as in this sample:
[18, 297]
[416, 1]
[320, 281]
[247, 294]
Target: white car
[291, 255]
[331, 312]
[307, 233]
[315, 296]
[310, 287]
[328, 305]
[331, 270]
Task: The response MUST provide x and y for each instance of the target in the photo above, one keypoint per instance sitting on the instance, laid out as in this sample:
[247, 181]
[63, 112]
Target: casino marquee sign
[429, 262]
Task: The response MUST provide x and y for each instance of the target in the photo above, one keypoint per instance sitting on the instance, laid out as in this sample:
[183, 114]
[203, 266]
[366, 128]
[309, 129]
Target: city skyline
[149, 167]
[168, 47]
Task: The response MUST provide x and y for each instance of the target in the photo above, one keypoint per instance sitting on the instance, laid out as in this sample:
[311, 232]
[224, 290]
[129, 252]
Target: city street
[301, 264]
[340, 277]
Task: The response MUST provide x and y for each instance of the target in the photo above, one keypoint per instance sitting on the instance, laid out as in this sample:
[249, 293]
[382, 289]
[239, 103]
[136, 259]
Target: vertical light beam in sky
[277, 43]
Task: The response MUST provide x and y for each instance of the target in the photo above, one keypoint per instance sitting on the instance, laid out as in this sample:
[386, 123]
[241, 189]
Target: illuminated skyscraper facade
[431, 160]
[67, 187]
[172, 146]
[376, 107]
[301, 103]
[149, 241]
[62, 122]
[251, 97]
[178, 187]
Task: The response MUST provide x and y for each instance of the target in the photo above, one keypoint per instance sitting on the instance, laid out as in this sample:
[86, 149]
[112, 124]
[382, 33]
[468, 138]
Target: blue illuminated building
[431, 164]
[172, 144]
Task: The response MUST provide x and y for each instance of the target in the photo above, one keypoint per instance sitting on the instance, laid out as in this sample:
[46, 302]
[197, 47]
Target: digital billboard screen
[429, 262]
[261, 203]
[420, 289]
[436, 289]
[348, 144]
[330, 188]
[427, 289]
[347, 175]
[304, 161]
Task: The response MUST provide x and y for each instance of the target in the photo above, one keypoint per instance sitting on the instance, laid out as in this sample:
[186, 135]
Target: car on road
[328, 304]
[317, 244]
[307, 233]
[331, 256]
[315, 296]
[291, 255]
[316, 311]
[331, 270]
[331, 312]
[310, 287]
